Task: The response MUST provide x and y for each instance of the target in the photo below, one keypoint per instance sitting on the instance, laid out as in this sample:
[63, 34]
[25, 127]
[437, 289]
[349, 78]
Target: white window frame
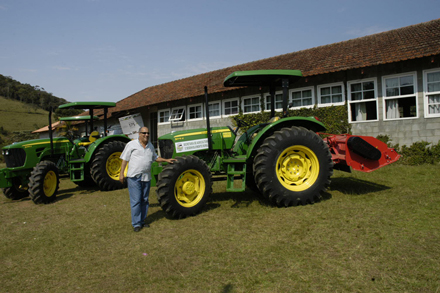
[363, 101]
[427, 94]
[167, 117]
[189, 112]
[176, 115]
[252, 98]
[386, 98]
[224, 107]
[219, 109]
[331, 85]
[267, 101]
[302, 90]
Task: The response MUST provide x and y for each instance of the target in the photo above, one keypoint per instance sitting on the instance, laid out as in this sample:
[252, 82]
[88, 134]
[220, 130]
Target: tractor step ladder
[235, 166]
[77, 170]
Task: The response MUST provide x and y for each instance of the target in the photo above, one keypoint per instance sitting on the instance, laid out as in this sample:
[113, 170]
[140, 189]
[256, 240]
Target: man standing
[141, 154]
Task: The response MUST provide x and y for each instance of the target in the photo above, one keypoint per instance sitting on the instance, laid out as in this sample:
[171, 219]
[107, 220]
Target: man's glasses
[144, 133]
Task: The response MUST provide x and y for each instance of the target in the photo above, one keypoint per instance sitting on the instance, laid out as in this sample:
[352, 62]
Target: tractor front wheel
[106, 166]
[44, 182]
[16, 191]
[292, 167]
[184, 187]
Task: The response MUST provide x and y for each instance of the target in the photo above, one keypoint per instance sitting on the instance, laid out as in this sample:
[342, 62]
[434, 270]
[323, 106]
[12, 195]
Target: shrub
[334, 118]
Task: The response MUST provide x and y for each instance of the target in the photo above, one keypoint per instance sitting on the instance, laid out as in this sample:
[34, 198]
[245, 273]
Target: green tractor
[285, 160]
[33, 167]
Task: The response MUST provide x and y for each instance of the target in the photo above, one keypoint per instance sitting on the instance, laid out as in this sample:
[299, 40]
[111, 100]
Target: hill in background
[18, 116]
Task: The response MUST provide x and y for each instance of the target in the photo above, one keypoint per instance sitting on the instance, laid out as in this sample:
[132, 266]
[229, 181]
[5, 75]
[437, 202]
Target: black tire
[16, 191]
[292, 167]
[44, 182]
[184, 187]
[106, 166]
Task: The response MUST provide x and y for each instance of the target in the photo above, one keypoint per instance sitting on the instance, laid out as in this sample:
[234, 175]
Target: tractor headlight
[5, 152]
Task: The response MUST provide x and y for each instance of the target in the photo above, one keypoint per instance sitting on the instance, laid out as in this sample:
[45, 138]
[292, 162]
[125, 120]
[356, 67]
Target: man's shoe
[145, 225]
[137, 229]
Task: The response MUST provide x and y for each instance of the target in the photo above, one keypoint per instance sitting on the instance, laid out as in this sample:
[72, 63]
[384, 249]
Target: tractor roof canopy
[272, 77]
[78, 118]
[87, 105]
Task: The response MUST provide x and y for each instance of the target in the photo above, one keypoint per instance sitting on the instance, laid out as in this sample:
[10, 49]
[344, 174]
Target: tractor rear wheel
[292, 167]
[106, 166]
[16, 191]
[44, 182]
[184, 187]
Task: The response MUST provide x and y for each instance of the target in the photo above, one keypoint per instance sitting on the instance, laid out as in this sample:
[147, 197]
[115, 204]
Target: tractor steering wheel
[240, 122]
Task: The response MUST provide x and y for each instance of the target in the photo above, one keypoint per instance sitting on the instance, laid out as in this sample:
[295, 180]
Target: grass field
[16, 116]
[376, 232]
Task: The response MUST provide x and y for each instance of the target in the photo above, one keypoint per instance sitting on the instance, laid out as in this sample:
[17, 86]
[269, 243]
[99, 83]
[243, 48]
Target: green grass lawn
[376, 232]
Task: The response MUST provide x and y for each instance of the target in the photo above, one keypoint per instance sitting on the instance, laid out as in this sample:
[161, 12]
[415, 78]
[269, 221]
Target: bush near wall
[334, 118]
[421, 152]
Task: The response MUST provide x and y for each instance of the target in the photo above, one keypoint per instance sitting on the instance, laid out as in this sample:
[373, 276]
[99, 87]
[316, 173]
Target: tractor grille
[166, 148]
[15, 157]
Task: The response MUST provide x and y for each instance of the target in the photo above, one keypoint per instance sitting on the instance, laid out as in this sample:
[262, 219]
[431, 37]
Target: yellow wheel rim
[297, 168]
[113, 165]
[50, 183]
[189, 188]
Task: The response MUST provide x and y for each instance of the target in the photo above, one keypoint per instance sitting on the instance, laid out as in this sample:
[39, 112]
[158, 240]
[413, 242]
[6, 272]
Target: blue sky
[107, 50]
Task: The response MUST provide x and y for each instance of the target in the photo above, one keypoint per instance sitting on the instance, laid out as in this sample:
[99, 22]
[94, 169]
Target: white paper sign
[130, 125]
[193, 145]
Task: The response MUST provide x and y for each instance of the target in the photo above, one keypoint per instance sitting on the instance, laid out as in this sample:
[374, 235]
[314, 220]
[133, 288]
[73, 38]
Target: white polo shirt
[139, 158]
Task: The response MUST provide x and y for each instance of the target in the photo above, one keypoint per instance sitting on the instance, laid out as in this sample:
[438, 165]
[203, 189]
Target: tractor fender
[307, 122]
[95, 146]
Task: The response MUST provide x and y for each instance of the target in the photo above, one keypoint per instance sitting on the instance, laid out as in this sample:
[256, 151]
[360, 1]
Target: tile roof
[411, 42]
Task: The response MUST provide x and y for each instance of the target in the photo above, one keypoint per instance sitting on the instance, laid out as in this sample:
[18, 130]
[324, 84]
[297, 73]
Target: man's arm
[121, 174]
[160, 160]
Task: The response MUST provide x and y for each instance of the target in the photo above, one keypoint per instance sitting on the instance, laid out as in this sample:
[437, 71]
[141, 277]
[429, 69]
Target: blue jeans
[139, 192]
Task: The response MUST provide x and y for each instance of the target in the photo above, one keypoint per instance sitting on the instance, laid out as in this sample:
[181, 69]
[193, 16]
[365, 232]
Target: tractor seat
[92, 137]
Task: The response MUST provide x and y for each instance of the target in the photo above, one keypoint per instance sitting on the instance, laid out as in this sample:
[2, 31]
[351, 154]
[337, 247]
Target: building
[389, 81]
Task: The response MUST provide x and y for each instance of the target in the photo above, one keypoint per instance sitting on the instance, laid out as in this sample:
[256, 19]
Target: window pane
[368, 85]
[433, 77]
[307, 94]
[406, 80]
[391, 82]
[325, 100]
[337, 98]
[368, 95]
[407, 90]
[356, 96]
[325, 91]
[336, 89]
[356, 87]
[391, 92]
[296, 103]
[307, 102]
[434, 87]
[296, 95]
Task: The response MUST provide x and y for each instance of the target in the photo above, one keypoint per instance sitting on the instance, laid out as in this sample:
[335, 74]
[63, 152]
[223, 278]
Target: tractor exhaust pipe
[50, 131]
[208, 126]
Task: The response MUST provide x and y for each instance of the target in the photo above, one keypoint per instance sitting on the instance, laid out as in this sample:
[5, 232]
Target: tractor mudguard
[307, 122]
[103, 140]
